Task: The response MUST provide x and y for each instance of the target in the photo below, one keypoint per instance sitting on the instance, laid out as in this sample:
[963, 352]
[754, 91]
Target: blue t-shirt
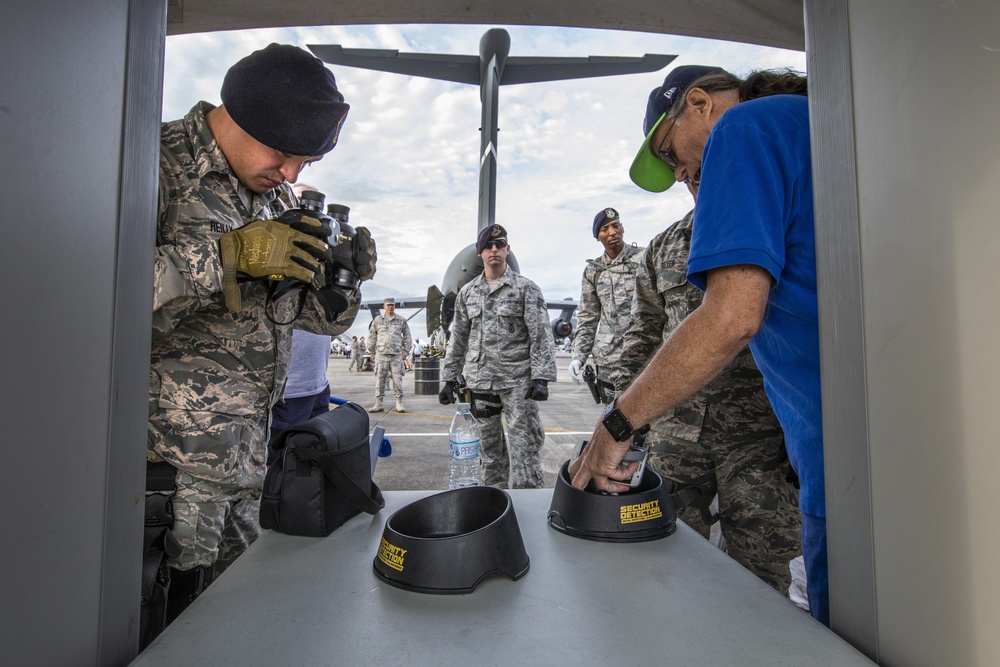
[755, 206]
[307, 365]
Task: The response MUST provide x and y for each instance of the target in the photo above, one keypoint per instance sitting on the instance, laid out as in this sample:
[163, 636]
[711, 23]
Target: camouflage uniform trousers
[387, 367]
[514, 464]
[758, 506]
[214, 522]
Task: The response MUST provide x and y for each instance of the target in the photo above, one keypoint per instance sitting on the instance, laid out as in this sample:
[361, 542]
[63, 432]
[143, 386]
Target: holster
[158, 544]
[596, 386]
[481, 404]
[463, 392]
[698, 494]
[485, 405]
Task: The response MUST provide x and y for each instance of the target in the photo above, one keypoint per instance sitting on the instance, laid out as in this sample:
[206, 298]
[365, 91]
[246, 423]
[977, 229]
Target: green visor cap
[648, 171]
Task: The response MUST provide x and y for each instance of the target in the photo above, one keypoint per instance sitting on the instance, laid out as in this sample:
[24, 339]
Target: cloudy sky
[408, 159]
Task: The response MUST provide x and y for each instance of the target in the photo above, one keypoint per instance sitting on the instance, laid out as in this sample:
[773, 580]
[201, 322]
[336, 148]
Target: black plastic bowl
[642, 514]
[449, 542]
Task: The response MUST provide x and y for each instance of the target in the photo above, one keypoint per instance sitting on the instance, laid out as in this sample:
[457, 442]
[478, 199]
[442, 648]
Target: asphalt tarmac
[419, 437]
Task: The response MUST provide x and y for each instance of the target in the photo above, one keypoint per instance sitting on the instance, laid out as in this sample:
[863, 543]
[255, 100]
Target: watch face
[617, 425]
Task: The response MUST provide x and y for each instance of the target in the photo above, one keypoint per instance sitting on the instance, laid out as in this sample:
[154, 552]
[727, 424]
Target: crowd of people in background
[341, 346]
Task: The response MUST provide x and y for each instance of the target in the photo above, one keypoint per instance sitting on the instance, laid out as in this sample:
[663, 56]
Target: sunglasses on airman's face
[499, 244]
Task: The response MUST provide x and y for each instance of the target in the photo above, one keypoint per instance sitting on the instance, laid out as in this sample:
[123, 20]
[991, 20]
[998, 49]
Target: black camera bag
[322, 476]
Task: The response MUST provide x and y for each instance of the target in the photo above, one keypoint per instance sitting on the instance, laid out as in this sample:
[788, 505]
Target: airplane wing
[439, 317]
[466, 69]
[521, 69]
[565, 304]
[375, 305]
[459, 69]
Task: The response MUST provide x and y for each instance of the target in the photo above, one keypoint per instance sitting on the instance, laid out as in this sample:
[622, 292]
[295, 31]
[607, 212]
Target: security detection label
[391, 555]
[641, 512]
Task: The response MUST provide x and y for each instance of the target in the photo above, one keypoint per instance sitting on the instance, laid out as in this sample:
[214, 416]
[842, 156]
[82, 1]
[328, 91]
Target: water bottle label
[465, 451]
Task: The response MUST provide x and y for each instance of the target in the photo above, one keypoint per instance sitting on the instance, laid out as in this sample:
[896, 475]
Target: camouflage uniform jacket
[606, 307]
[389, 336]
[663, 298]
[501, 339]
[214, 374]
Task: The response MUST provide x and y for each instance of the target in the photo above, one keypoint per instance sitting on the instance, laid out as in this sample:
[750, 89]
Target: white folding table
[674, 601]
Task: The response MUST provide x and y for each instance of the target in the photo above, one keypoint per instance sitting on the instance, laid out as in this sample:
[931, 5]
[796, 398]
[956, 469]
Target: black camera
[337, 278]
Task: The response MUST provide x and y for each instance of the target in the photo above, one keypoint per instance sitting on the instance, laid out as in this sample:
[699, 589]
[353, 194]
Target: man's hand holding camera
[318, 226]
[344, 256]
[269, 249]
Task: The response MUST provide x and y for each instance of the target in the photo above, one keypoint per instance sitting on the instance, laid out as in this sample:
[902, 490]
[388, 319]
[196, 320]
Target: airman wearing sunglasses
[502, 342]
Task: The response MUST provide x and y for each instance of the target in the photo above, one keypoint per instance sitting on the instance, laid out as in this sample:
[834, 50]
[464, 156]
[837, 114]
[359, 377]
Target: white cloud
[407, 163]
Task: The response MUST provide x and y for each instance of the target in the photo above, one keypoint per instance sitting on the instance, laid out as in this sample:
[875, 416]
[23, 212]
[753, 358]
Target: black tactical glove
[270, 249]
[538, 390]
[353, 260]
[363, 253]
[447, 395]
[356, 256]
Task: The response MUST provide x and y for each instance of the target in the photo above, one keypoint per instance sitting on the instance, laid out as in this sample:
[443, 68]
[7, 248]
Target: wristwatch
[617, 423]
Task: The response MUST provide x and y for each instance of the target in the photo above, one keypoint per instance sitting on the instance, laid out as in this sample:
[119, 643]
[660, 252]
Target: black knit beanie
[286, 99]
[603, 218]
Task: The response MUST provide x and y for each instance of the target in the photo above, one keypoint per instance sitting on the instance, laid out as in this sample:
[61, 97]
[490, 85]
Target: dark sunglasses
[499, 244]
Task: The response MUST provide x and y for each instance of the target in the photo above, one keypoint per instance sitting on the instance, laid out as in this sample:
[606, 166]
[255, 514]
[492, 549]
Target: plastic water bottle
[465, 437]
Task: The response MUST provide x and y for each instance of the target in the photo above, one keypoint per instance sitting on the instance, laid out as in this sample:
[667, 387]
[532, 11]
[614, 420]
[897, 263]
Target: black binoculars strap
[344, 484]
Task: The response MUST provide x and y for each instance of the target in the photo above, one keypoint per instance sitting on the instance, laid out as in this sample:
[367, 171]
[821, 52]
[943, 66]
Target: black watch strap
[617, 423]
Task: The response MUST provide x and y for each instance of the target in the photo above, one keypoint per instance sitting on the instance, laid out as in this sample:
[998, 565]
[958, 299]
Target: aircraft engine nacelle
[561, 329]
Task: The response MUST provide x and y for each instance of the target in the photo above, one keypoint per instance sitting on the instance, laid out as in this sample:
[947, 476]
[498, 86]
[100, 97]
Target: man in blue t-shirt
[746, 145]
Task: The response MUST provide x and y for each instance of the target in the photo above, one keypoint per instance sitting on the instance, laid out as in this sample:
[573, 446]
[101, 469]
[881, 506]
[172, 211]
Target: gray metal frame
[838, 263]
[126, 471]
[75, 283]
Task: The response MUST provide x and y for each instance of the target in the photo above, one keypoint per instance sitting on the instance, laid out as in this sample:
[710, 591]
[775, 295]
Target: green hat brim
[648, 171]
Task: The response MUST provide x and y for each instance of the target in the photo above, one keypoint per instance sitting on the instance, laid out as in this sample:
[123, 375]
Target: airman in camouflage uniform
[501, 339]
[725, 439]
[389, 341]
[216, 372]
[605, 300]
[355, 353]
